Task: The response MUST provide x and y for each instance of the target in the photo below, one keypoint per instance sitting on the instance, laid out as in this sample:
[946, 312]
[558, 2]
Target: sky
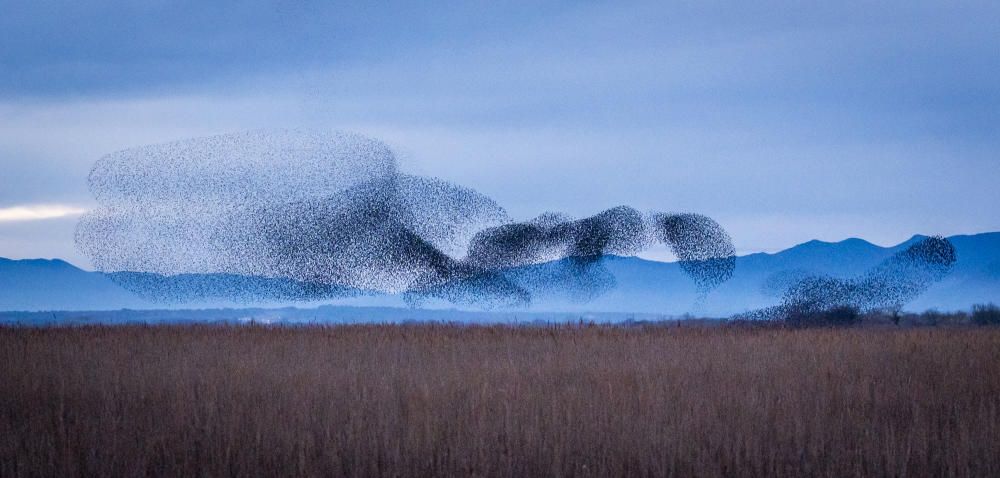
[784, 121]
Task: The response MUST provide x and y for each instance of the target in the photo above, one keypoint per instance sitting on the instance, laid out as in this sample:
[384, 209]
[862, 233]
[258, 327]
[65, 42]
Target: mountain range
[641, 286]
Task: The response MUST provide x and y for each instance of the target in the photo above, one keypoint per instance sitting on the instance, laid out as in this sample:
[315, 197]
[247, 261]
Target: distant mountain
[41, 284]
[641, 286]
[759, 279]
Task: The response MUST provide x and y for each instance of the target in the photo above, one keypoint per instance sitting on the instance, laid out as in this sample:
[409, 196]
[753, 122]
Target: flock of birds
[298, 215]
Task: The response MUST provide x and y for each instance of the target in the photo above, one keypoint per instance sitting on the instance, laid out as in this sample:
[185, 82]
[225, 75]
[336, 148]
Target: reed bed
[452, 400]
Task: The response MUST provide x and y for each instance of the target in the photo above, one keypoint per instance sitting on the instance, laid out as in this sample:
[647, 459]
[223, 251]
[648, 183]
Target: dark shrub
[835, 316]
[986, 314]
[932, 317]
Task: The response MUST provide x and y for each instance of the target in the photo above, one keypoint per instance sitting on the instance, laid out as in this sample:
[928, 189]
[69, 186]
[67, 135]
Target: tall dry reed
[435, 400]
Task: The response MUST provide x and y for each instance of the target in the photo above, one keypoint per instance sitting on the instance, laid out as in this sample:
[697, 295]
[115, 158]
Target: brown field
[499, 401]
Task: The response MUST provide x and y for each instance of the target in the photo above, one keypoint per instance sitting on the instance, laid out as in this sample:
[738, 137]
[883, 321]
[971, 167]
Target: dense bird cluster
[297, 215]
[887, 286]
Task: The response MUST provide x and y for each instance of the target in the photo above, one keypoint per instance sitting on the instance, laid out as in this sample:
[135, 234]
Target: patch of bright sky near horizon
[783, 121]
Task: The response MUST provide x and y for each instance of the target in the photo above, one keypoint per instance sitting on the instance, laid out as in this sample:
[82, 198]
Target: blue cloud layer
[788, 121]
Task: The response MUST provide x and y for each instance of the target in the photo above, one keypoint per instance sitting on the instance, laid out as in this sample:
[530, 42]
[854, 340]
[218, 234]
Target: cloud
[784, 122]
[65, 48]
[36, 212]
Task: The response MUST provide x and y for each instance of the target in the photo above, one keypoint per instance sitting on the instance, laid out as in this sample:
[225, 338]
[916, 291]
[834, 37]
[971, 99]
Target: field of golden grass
[438, 400]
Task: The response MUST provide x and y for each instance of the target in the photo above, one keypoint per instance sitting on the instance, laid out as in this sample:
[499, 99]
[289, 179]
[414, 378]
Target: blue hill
[641, 286]
[41, 284]
[659, 287]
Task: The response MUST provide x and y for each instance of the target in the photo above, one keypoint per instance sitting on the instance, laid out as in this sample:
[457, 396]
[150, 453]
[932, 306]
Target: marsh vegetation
[449, 400]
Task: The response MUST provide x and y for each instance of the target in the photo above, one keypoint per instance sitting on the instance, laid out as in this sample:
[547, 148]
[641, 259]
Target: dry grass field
[436, 400]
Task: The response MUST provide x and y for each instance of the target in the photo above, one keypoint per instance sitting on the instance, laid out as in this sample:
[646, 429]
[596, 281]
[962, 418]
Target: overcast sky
[785, 121]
